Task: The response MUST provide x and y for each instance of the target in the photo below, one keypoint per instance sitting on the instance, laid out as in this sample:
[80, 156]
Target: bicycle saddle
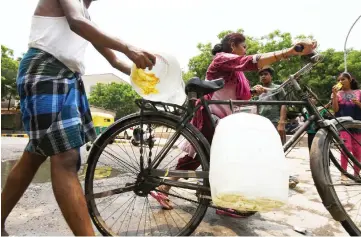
[202, 87]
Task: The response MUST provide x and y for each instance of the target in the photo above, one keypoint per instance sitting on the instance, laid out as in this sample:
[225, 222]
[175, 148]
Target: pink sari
[230, 67]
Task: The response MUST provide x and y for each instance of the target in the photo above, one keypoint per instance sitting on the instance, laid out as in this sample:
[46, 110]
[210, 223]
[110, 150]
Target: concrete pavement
[38, 214]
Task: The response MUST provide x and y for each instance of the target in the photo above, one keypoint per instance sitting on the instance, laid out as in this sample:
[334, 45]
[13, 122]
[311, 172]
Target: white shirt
[54, 36]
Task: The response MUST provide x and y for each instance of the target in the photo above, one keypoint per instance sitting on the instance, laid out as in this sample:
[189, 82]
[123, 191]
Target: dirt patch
[327, 230]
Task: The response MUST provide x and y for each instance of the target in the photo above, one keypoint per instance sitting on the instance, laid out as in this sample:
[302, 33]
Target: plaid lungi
[54, 106]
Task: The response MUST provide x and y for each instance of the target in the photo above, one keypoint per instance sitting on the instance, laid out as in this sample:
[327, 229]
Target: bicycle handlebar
[315, 57]
[299, 48]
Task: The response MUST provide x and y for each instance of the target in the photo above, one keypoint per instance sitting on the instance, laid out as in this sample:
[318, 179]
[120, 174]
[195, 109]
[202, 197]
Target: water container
[163, 83]
[248, 170]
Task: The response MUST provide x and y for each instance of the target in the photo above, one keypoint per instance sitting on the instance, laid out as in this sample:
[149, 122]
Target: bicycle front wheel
[336, 175]
[120, 196]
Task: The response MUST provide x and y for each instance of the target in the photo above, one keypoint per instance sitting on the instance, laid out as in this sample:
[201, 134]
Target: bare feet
[162, 198]
[344, 179]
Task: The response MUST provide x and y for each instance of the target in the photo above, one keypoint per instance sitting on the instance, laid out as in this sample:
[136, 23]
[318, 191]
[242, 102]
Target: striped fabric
[54, 106]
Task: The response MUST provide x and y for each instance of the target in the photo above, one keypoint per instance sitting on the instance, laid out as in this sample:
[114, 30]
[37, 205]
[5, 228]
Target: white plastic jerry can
[248, 170]
[163, 83]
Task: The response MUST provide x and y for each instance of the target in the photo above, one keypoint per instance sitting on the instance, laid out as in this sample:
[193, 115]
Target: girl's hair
[225, 45]
[353, 82]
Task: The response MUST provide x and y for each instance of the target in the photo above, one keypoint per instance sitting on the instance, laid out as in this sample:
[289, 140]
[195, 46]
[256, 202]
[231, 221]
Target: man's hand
[90, 32]
[141, 58]
[259, 89]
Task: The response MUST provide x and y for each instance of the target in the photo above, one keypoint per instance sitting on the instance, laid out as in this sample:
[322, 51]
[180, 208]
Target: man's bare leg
[69, 193]
[18, 181]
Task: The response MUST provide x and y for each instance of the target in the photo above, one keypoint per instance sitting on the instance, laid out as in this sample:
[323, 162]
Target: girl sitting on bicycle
[230, 62]
[346, 102]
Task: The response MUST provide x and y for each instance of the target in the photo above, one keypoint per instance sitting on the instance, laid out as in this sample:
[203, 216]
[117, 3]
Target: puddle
[43, 174]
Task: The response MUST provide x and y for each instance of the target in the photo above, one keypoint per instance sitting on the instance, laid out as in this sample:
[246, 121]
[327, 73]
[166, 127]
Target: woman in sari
[230, 62]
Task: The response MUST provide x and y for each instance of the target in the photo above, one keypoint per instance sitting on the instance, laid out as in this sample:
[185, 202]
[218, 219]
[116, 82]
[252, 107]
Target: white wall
[92, 80]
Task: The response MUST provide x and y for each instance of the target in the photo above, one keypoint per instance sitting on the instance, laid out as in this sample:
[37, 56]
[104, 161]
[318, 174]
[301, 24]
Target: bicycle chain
[150, 142]
[245, 213]
[177, 196]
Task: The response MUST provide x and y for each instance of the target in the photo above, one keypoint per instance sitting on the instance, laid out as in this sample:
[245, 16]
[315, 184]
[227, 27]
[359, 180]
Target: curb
[14, 135]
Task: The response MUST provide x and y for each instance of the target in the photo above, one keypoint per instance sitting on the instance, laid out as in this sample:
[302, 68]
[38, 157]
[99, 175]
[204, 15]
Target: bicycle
[148, 173]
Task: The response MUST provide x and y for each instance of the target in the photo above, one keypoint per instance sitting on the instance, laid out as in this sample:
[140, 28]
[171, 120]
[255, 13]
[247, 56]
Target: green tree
[9, 70]
[116, 97]
[323, 76]
[198, 65]
[187, 75]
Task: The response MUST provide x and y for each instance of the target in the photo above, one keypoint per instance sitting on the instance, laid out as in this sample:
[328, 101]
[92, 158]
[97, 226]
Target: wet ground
[43, 174]
[37, 212]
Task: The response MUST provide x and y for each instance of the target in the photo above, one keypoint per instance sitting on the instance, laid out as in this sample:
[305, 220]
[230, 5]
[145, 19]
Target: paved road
[38, 214]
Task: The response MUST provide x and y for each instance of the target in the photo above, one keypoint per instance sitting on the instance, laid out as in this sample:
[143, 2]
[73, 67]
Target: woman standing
[347, 102]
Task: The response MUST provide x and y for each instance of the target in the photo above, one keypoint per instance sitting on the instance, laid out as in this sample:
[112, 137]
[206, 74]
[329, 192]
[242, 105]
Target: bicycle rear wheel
[342, 200]
[127, 192]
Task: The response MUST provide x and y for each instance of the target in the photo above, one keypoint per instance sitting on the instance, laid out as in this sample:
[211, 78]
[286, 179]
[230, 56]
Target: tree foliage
[9, 70]
[114, 96]
[320, 79]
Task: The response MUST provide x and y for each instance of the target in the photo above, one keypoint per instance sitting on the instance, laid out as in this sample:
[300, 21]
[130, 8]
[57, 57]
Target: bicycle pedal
[204, 196]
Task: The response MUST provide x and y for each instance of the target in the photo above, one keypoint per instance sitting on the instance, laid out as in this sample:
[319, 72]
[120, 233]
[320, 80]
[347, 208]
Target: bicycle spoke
[118, 196]
[113, 191]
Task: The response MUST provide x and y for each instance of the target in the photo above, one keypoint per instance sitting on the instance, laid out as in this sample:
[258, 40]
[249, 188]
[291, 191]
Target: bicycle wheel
[127, 191]
[342, 200]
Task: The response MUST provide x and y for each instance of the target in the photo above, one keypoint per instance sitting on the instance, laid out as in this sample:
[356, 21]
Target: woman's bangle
[283, 54]
[274, 55]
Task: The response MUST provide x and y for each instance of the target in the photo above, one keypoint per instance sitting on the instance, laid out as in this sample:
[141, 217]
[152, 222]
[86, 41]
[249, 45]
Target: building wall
[96, 109]
[92, 80]
[11, 121]
[5, 103]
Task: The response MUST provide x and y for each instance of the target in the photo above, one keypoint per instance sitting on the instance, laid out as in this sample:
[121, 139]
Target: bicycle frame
[306, 103]
[192, 108]
[315, 116]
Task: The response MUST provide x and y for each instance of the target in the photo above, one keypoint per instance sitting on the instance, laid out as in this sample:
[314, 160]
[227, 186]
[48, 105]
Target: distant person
[54, 106]
[277, 114]
[347, 102]
[311, 132]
